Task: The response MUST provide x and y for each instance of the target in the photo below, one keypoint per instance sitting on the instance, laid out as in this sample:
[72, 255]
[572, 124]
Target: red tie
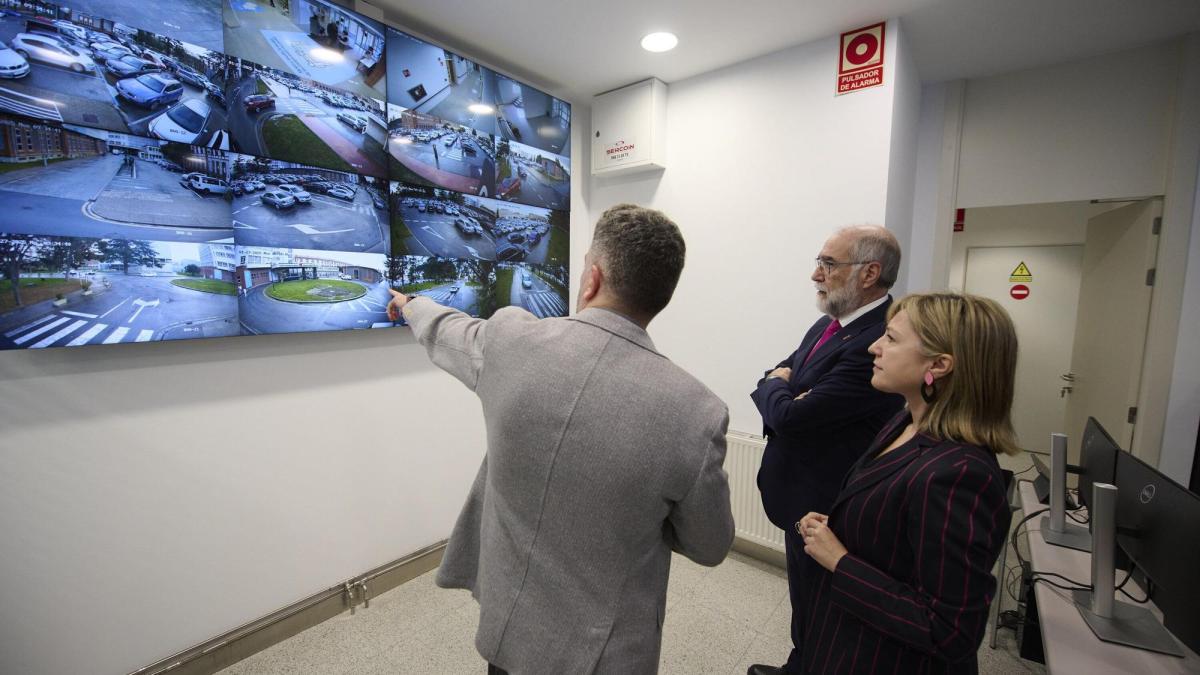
[833, 327]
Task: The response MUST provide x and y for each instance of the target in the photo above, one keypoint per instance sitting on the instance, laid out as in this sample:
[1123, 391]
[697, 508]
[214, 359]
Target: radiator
[742, 457]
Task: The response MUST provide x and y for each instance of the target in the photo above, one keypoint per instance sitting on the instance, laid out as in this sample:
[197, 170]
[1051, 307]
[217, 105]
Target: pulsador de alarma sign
[860, 64]
[621, 152]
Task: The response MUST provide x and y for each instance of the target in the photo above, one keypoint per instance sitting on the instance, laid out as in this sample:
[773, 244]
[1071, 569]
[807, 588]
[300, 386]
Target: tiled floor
[719, 621]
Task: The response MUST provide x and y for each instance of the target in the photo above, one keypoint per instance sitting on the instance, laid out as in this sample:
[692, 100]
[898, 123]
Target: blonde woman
[909, 545]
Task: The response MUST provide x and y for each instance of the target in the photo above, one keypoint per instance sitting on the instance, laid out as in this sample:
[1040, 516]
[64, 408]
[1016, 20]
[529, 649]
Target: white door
[1044, 316]
[1114, 310]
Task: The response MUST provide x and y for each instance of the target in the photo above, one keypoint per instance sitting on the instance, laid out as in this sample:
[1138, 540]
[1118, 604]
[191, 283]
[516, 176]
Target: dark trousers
[493, 670]
[799, 569]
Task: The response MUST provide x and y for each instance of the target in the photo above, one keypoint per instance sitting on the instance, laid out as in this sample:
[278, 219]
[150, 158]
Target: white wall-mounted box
[629, 129]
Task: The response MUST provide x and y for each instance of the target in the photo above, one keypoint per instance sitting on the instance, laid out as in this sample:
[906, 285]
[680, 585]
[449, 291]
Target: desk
[1070, 646]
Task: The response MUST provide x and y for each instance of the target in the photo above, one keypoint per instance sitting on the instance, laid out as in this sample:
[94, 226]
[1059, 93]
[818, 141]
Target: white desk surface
[1070, 645]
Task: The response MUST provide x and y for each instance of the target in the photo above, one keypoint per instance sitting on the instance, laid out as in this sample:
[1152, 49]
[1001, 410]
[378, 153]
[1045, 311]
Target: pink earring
[929, 392]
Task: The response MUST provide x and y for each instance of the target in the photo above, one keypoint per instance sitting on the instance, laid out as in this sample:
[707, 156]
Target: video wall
[208, 168]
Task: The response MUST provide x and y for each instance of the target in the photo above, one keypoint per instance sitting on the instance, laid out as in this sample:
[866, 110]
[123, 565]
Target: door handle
[1062, 393]
[1067, 377]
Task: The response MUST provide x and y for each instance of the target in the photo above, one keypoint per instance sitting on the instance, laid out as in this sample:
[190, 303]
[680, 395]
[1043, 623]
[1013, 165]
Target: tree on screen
[126, 253]
[15, 250]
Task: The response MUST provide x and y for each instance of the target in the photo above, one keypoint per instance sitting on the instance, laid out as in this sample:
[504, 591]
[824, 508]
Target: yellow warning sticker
[1022, 273]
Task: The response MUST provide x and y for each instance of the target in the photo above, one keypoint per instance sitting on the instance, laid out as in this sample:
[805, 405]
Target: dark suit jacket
[923, 525]
[812, 442]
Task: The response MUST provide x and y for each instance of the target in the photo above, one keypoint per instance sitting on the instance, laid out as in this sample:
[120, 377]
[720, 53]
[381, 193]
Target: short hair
[974, 401]
[874, 243]
[642, 253]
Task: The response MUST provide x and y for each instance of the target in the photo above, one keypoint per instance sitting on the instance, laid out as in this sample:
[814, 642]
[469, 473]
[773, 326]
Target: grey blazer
[603, 457]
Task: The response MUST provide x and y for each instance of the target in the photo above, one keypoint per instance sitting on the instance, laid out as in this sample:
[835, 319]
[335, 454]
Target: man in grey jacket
[602, 458]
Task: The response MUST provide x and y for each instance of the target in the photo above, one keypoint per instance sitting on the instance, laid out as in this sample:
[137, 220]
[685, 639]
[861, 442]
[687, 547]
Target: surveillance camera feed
[212, 168]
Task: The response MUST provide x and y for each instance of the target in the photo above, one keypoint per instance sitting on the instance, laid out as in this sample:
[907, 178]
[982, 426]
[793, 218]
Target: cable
[1069, 580]
[1017, 532]
[1031, 467]
[1072, 516]
[1128, 576]
[1037, 578]
[1149, 588]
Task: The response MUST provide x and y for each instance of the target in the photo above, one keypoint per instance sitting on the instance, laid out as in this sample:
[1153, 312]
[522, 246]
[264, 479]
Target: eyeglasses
[827, 265]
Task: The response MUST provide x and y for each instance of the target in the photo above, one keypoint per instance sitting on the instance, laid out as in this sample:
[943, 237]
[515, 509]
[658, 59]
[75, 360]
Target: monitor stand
[1055, 530]
[1129, 625]
[1113, 621]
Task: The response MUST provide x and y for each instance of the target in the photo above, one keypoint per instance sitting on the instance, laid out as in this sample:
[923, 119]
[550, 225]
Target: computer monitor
[1158, 525]
[1097, 458]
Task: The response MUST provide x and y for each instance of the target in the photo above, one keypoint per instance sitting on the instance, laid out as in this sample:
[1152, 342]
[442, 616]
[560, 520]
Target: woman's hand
[820, 543]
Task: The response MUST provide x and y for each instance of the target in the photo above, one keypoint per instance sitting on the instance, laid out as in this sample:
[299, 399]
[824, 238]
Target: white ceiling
[577, 49]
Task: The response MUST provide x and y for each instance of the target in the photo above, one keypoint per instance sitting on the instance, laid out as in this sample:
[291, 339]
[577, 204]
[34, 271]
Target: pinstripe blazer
[923, 525]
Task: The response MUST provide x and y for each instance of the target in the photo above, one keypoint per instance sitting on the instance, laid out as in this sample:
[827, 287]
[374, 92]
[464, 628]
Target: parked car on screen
[152, 90]
[257, 102]
[153, 57]
[341, 193]
[64, 31]
[214, 93]
[508, 186]
[183, 123]
[130, 66]
[302, 196]
[506, 251]
[465, 227]
[78, 33]
[12, 64]
[47, 49]
[278, 199]
[257, 184]
[208, 185]
[186, 179]
[103, 51]
[354, 122]
[190, 76]
[123, 32]
[526, 282]
[517, 237]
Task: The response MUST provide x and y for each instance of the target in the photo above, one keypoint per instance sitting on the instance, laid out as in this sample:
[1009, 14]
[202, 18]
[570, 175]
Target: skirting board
[760, 552]
[225, 650]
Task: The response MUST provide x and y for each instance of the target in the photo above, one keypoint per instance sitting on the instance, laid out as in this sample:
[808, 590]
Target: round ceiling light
[659, 42]
[481, 109]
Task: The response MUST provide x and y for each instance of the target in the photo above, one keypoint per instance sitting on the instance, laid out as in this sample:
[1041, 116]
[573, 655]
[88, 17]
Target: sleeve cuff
[855, 578]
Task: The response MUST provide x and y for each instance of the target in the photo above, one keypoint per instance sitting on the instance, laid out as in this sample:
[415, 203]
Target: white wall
[1025, 225]
[902, 156]
[153, 496]
[1085, 130]
[763, 163]
[924, 264]
[1182, 404]
[1121, 125]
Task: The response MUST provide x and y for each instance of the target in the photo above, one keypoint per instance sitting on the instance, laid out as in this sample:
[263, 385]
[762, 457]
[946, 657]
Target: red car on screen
[256, 102]
[508, 186]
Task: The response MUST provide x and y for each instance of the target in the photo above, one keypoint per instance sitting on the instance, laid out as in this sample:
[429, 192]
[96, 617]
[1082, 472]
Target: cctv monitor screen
[1154, 516]
[204, 169]
[1097, 458]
